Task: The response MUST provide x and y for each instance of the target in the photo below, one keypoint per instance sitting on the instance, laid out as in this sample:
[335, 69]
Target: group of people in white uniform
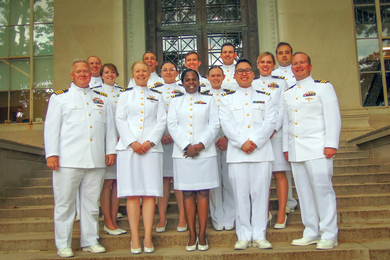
[218, 139]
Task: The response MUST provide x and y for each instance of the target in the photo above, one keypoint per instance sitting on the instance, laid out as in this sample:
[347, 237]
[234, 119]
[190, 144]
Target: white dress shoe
[326, 244]
[161, 229]
[122, 231]
[135, 250]
[182, 229]
[289, 210]
[218, 228]
[148, 249]
[77, 217]
[227, 228]
[281, 226]
[241, 245]
[65, 252]
[263, 244]
[96, 248]
[119, 215]
[304, 241]
[192, 248]
[115, 232]
[204, 247]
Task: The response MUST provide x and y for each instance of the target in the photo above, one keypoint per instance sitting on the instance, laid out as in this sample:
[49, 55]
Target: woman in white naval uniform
[108, 198]
[141, 120]
[275, 86]
[193, 124]
[169, 73]
[222, 209]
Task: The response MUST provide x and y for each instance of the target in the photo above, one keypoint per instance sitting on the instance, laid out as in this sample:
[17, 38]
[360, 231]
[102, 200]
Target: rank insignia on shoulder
[256, 78]
[321, 81]
[155, 90]
[157, 84]
[273, 85]
[126, 89]
[229, 92]
[278, 77]
[262, 92]
[206, 92]
[100, 93]
[96, 87]
[177, 79]
[118, 87]
[62, 91]
[290, 87]
[200, 102]
[178, 95]
[259, 102]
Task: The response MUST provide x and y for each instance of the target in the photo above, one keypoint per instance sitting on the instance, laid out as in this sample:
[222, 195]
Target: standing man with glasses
[248, 120]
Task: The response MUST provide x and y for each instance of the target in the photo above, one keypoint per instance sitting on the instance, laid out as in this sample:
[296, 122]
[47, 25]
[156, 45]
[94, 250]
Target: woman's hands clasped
[141, 148]
[193, 150]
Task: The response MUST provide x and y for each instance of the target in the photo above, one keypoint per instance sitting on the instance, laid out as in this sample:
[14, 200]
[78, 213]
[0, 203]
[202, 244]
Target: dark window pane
[4, 13]
[43, 39]
[385, 1]
[41, 98]
[385, 16]
[3, 107]
[359, 2]
[4, 41]
[365, 19]
[386, 54]
[43, 72]
[215, 42]
[20, 74]
[20, 106]
[19, 12]
[223, 10]
[178, 12]
[368, 55]
[176, 47]
[43, 11]
[372, 89]
[4, 75]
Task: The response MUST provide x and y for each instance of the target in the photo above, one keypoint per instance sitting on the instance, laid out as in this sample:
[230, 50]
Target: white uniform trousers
[66, 182]
[251, 183]
[222, 208]
[291, 202]
[317, 199]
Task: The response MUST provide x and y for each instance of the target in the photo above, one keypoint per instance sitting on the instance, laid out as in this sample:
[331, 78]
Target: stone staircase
[363, 198]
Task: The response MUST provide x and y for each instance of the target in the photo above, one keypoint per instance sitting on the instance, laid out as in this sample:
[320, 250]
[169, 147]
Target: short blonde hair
[138, 62]
[266, 53]
[78, 61]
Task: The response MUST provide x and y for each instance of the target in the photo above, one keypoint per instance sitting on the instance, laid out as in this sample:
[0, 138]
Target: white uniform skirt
[168, 161]
[280, 163]
[139, 175]
[110, 172]
[195, 174]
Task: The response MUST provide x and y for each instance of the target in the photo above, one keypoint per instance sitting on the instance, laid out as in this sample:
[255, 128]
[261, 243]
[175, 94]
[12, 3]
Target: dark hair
[147, 53]
[191, 52]
[186, 71]
[166, 62]
[242, 61]
[282, 44]
[308, 58]
[111, 67]
[216, 67]
[228, 44]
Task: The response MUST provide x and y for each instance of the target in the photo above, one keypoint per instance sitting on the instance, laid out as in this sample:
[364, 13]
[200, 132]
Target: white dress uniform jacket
[312, 120]
[193, 129]
[287, 73]
[229, 82]
[154, 79]
[95, 82]
[80, 128]
[248, 115]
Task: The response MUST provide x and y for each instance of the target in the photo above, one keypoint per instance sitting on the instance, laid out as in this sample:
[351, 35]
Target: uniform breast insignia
[152, 98]
[178, 95]
[176, 91]
[258, 101]
[157, 84]
[126, 89]
[273, 85]
[97, 100]
[202, 85]
[309, 94]
[290, 87]
[62, 91]
[100, 93]
[155, 90]
[321, 81]
[262, 92]
[206, 92]
[278, 77]
[200, 102]
[228, 93]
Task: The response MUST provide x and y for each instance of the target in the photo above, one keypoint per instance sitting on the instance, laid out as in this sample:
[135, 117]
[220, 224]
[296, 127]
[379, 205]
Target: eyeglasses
[166, 70]
[241, 71]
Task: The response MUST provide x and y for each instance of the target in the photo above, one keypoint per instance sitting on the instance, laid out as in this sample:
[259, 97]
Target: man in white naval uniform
[193, 62]
[154, 79]
[95, 64]
[311, 133]
[80, 141]
[228, 55]
[222, 210]
[284, 58]
[248, 120]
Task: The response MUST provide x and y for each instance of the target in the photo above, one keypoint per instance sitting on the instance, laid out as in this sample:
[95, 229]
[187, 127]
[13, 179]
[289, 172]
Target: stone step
[31, 182]
[357, 168]
[352, 154]
[348, 148]
[345, 215]
[45, 240]
[354, 161]
[281, 250]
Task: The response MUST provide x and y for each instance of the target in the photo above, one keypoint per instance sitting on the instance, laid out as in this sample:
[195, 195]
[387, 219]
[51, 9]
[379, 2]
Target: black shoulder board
[97, 87]
[126, 89]
[321, 81]
[278, 77]
[229, 92]
[118, 87]
[157, 84]
[62, 91]
[206, 92]
[290, 87]
[155, 90]
[178, 95]
[262, 92]
[203, 77]
[100, 93]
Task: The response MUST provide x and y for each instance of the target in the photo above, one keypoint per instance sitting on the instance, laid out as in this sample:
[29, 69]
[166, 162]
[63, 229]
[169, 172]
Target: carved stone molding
[267, 16]
[128, 55]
